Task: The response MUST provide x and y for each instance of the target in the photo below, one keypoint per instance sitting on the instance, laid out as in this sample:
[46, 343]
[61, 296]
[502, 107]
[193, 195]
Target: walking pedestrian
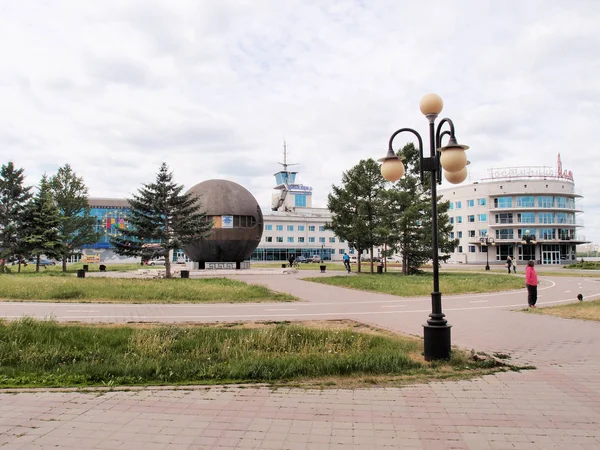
[532, 281]
[508, 263]
[514, 264]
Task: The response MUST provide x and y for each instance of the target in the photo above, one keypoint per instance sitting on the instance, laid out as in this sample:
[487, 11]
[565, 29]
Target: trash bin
[283, 266]
[379, 269]
[80, 273]
[185, 274]
[323, 268]
[102, 268]
[86, 267]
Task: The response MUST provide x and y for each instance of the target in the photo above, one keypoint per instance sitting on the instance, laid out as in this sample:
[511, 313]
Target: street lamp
[485, 241]
[452, 158]
[529, 238]
[322, 247]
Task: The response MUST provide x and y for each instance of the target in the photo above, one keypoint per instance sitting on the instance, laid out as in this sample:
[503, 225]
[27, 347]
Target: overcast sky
[214, 87]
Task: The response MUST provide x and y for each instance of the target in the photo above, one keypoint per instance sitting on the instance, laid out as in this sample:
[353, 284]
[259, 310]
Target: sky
[214, 88]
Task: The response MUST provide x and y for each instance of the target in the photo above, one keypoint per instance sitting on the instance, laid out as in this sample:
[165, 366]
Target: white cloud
[213, 88]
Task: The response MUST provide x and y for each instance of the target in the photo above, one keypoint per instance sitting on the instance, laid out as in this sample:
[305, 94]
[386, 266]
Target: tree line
[55, 220]
[368, 212]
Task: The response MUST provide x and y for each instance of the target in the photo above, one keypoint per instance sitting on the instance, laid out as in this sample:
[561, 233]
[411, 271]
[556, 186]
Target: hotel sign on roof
[532, 172]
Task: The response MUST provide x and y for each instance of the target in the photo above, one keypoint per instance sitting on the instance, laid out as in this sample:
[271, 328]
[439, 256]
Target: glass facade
[503, 202]
[526, 201]
[283, 254]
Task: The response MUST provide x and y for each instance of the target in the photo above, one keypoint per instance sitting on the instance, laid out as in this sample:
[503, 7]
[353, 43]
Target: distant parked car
[43, 262]
[301, 259]
[394, 259]
[157, 262]
[315, 259]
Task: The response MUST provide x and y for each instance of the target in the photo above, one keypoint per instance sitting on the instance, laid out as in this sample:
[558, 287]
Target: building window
[522, 231]
[300, 227]
[451, 219]
[546, 218]
[482, 217]
[342, 241]
[481, 201]
[504, 218]
[482, 233]
[311, 239]
[526, 218]
[269, 227]
[458, 205]
[351, 251]
[503, 202]
[471, 218]
[311, 228]
[279, 227]
[472, 249]
[290, 227]
[451, 205]
[547, 233]
[290, 239]
[472, 233]
[470, 203]
[458, 219]
[452, 235]
[546, 202]
[460, 249]
[244, 221]
[322, 239]
[301, 239]
[322, 228]
[341, 251]
[504, 233]
[300, 200]
[279, 239]
[332, 240]
[269, 239]
[460, 234]
[526, 201]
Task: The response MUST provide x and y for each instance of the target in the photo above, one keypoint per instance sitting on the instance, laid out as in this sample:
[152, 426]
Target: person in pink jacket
[532, 282]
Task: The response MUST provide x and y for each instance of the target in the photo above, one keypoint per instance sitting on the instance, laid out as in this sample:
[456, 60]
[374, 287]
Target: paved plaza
[556, 406]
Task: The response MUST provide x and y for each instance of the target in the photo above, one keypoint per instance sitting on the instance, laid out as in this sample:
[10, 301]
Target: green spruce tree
[161, 214]
[76, 226]
[13, 198]
[40, 225]
[409, 221]
[356, 207]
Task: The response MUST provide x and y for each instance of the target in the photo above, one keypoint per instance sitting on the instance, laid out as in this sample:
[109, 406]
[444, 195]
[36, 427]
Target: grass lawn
[586, 310]
[47, 354]
[44, 287]
[72, 268]
[422, 284]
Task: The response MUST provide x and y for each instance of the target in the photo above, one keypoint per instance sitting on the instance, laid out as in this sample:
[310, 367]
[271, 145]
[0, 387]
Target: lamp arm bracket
[419, 139]
[439, 134]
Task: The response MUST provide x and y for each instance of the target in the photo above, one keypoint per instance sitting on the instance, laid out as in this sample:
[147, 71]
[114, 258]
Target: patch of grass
[417, 285]
[73, 268]
[588, 265]
[47, 354]
[125, 290]
[585, 310]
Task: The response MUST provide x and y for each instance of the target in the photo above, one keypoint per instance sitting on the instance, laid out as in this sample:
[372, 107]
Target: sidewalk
[556, 406]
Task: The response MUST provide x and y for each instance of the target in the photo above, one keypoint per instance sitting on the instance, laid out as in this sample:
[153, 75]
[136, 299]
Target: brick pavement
[556, 406]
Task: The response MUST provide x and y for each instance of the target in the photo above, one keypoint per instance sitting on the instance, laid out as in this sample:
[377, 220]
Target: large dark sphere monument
[237, 223]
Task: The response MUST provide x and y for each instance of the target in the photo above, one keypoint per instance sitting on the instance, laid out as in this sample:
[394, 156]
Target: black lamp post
[486, 241]
[529, 238]
[452, 158]
[322, 247]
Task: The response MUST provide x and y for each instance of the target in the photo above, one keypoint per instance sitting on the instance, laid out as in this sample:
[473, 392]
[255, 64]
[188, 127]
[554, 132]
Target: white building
[294, 227]
[535, 202]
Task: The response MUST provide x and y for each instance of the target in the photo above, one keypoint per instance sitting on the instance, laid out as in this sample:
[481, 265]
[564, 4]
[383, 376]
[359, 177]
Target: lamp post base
[436, 342]
[487, 267]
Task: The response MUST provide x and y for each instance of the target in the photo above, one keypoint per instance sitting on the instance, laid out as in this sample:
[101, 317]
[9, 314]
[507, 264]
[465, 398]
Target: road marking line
[280, 309]
[479, 301]
[394, 306]
[81, 310]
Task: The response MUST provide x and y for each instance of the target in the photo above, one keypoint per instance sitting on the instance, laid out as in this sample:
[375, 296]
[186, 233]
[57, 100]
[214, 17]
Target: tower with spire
[289, 195]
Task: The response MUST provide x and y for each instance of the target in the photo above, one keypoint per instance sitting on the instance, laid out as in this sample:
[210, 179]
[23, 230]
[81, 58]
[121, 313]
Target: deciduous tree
[76, 227]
